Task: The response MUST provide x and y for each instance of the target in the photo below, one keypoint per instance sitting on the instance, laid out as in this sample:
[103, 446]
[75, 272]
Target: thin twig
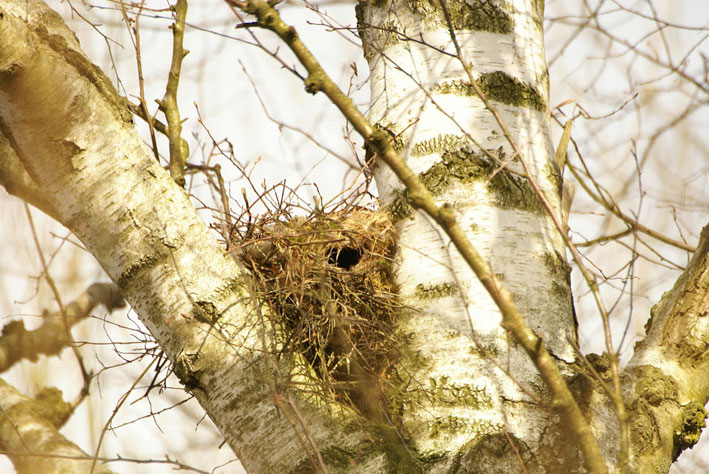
[62, 309]
[179, 151]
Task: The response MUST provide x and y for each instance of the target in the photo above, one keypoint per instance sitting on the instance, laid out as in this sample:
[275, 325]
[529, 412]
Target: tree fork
[269, 18]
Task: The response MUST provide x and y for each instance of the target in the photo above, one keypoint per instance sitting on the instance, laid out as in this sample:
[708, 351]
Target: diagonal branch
[77, 137]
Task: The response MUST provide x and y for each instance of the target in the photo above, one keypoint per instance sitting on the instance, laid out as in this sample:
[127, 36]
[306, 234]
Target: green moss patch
[507, 190]
[472, 15]
[440, 290]
[500, 87]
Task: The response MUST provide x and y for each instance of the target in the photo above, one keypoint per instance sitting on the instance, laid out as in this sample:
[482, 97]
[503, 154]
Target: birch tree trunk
[422, 94]
[71, 136]
[462, 396]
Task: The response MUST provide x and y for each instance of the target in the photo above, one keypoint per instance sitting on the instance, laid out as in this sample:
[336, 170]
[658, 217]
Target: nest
[327, 279]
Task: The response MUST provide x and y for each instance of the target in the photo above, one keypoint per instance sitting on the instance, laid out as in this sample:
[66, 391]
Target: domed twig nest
[328, 281]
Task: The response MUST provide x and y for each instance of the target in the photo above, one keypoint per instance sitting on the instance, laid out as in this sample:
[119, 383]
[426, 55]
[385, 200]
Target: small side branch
[17, 343]
[179, 150]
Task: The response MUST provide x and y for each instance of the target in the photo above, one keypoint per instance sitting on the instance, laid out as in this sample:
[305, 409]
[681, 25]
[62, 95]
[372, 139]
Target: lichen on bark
[479, 15]
[500, 87]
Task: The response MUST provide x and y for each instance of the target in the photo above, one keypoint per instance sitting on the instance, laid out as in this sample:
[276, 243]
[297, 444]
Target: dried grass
[327, 280]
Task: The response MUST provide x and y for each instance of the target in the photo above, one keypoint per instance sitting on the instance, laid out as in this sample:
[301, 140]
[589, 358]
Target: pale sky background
[600, 75]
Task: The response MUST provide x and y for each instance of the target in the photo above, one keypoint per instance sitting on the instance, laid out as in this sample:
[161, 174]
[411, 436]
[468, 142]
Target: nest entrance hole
[328, 282]
[344, 257]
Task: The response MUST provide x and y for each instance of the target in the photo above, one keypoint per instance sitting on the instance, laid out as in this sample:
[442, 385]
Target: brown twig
[115, 412]
[135, 37]
[179, 150]
[62, 309]
[18, 343]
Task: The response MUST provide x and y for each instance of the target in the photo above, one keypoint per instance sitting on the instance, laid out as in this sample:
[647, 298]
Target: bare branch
[17, 343]
[29, 436]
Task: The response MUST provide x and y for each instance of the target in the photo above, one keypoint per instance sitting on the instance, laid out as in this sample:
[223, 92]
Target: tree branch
[17, 343]
[29, 436]
[179, 151]
[666, 383]
[77, 137]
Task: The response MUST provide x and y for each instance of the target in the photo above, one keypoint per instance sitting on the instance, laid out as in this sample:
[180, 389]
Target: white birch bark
[666, 383]
[74, 138]
[29, 434]
[422, 95]
[454, 404]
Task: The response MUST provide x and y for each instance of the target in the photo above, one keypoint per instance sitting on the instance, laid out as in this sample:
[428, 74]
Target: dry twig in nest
[327, 279]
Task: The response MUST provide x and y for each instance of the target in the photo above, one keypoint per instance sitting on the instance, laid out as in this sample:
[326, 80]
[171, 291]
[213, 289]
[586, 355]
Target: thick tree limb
[29, 436]
[668, 377]
[76, 139]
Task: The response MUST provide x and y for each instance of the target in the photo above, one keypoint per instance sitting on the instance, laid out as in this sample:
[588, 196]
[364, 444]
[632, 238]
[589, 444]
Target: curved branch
[668, 376]
[78, 141]
[179, 151]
